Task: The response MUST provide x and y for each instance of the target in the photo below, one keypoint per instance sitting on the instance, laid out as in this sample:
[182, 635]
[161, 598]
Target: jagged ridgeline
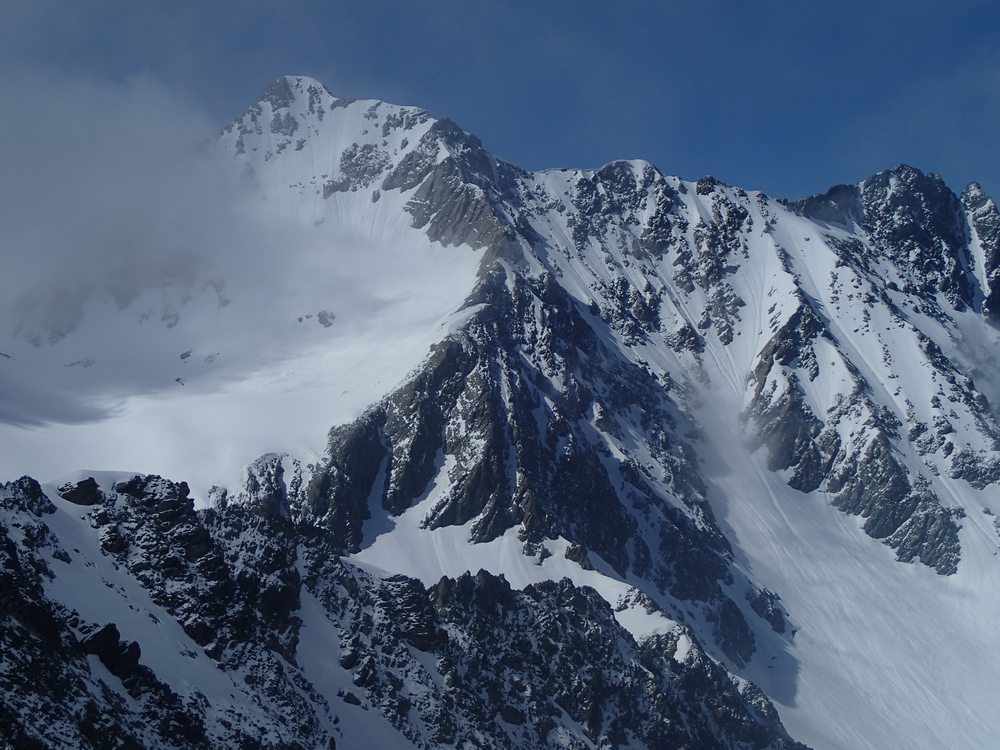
[816, 306]
[256, 634]
[520, 544]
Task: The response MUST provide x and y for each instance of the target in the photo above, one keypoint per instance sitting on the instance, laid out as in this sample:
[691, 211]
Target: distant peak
[974, 195]
[838, 205]
[905, 170]
[302, 81]
[706, 184]
[279, 93]
[282, 92]
[981, 206]
[905, 173]
[905, 183]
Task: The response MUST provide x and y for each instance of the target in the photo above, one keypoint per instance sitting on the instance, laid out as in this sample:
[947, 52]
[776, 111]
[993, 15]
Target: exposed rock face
[915, 219]
[530, 407]
[467, 660]
[121, 659]
[765, 604]
[52, 695]
[984, 220]
[84, 492]
[912, 219]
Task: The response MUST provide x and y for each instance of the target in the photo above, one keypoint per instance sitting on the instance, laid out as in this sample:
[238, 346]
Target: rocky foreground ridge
[467, 662]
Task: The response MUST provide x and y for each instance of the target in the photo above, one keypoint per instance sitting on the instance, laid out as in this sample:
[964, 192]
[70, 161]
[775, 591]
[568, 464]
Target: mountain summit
[615, 459]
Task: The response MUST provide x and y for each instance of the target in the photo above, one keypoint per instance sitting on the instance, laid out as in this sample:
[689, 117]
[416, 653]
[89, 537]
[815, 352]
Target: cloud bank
[136, 258]
[107, 189]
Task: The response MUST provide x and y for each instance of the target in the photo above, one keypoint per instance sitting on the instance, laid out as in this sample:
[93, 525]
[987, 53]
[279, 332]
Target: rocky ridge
[467, 661]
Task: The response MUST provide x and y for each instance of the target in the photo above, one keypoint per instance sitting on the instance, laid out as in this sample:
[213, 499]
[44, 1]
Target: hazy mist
[128, 239]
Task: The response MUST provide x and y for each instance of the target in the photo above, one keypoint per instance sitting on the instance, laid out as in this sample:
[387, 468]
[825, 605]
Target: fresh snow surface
[252, 377]
[886, 655]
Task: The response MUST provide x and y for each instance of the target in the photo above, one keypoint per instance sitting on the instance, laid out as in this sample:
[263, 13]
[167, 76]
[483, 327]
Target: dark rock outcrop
[84, 492]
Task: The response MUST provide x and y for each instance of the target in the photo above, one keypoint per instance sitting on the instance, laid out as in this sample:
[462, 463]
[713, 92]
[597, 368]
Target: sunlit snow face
[148, 284]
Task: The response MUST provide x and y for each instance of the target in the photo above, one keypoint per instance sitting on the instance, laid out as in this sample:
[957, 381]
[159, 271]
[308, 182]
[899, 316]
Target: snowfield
[194, 381]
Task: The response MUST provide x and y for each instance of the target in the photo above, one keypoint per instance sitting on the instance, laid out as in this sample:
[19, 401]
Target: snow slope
[340, 300]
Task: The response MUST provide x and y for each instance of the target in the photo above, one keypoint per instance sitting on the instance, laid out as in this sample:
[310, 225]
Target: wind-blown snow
[255, 378]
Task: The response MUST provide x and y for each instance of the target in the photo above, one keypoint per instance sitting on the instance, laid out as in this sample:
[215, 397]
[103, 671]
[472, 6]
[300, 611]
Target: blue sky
[788, 97]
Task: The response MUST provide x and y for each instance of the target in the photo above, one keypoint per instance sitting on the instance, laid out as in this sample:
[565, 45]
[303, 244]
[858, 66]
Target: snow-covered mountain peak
[901, 186]
[713, 417]
[915, 230]
[300, 129]
[974, 194]
[283, 91]
[908, 193]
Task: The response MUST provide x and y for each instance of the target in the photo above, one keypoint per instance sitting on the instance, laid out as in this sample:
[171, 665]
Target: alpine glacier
[617, 460]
